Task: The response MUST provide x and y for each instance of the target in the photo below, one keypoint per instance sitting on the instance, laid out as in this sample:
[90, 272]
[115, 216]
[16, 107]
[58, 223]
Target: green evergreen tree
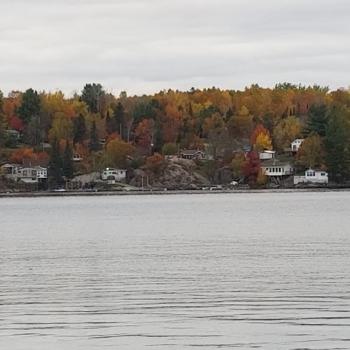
[111, 125]
[92, 95]
[119, 116]
[55, 165]
[1, 101]
[94, 144]
[79, 129]
[68, 169]
[337, 143]
[317, 121]
[30, 106]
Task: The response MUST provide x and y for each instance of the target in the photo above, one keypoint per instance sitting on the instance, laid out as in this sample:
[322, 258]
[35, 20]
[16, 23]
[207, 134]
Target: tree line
[128, 131]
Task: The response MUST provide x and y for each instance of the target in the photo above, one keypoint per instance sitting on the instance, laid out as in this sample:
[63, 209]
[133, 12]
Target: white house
[41, 173]
[10, 171]
[266, 155]
[295, 145]
[24, 174]
[274, 168]
[312, 176]
[114, 175]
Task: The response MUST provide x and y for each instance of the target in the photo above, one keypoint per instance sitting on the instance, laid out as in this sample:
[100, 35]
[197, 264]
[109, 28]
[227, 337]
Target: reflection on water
[245, 271]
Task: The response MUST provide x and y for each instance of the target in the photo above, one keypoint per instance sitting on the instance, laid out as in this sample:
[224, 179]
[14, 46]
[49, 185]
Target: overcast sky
[143, 46]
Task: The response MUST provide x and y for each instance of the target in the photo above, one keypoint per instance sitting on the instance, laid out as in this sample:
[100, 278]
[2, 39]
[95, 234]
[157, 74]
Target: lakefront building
[275, 168]
[112, 175]
[313, 177]
[19, 173]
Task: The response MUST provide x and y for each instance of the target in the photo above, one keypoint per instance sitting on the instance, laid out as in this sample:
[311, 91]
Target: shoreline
[163, 193]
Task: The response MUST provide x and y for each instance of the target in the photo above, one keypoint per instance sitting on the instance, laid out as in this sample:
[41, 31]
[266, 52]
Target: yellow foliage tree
[117, 152]
[263, 142]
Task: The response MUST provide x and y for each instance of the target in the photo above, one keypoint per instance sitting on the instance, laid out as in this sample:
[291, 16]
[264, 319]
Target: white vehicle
[216, 188]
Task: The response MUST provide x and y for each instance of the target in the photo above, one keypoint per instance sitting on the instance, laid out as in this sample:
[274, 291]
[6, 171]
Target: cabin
[32, 174]
[275, 168]
[295, 145]
[313, 177]
[267, 155]
[112, 175]
[192, 154]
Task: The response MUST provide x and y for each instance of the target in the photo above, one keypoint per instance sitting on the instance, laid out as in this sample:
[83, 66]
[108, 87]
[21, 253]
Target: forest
[133, 132]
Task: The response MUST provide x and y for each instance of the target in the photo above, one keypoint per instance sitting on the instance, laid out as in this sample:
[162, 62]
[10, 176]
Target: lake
[220, 271]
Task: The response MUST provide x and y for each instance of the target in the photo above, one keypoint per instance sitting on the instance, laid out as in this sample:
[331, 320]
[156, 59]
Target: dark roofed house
[192, 154]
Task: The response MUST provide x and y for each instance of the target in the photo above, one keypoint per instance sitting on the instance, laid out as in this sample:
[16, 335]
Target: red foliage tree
[251, 168]
[16, 123]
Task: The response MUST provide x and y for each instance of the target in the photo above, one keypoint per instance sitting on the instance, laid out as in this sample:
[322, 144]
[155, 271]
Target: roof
[191, 151]
[40, 168]
[274, 162]
[269, 152]
[316, 170]
[298, 140]
[114, 169]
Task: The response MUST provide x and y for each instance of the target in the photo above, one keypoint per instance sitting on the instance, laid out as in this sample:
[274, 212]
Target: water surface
[224, 271]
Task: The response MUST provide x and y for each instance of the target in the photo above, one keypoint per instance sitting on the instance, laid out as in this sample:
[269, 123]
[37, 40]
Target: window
[323, 174]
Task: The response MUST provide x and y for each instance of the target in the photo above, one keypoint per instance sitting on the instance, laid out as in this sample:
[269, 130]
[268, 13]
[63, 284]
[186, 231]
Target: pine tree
[79, 129]
[338, 144]
[318, 120]
[55, 165]
[68, 169]
[111, 125]
[30, 106]
[119, 116]
[94, 142]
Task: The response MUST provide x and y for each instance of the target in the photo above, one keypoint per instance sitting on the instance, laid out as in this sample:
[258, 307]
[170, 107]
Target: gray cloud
[145, 45]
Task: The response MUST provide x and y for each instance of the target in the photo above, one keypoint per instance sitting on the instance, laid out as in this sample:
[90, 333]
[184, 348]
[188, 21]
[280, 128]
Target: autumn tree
[144, 135]
[311, 152]
[260, 139]
[237, 165]
[24, 156]
[169, 149]
[156, 163]
[241, 124]
[286, 131]
[171, 124]
[251, 168]
[117, 153]
[62, 128]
